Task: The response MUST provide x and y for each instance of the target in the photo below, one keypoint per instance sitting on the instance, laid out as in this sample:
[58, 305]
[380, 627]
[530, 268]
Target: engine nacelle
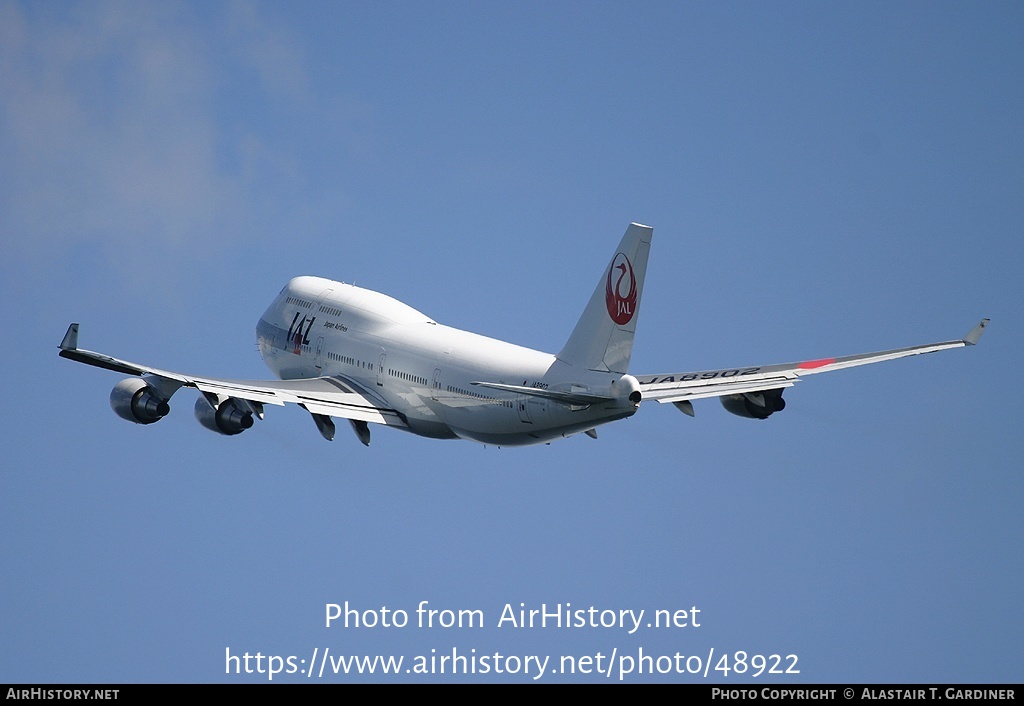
[133, 399]
[229, 418]
[754, 405]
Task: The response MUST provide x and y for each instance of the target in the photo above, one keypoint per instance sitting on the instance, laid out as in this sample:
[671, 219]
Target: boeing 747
[345, 352]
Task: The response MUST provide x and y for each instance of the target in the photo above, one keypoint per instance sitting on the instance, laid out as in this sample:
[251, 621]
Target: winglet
[70, 341]
[971, 338]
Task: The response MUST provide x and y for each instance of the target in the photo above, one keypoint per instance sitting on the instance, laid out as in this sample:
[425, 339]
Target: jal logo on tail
[620, 290]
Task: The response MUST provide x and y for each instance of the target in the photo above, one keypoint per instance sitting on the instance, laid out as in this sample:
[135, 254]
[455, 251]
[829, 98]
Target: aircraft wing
[680, 388]
[327, 396]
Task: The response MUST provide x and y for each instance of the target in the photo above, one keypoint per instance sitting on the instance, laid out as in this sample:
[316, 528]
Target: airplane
[346, 352]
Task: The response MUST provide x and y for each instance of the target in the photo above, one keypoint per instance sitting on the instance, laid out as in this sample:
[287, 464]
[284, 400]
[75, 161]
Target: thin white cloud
[110, 132]
[272, 51]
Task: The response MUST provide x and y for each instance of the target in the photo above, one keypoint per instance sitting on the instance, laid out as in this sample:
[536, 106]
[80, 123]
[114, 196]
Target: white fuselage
[425, 371]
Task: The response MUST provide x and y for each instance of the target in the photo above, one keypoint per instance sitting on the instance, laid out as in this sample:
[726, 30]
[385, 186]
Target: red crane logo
[620, 296]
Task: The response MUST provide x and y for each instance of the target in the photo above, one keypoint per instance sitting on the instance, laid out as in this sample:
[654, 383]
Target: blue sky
[823, 179]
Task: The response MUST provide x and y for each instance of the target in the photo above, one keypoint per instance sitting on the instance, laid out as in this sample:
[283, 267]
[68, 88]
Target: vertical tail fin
[603, 337]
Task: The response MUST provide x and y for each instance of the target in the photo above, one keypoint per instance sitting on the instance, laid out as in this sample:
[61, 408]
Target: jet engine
[135, 400]
[230, 417]
[754, 405]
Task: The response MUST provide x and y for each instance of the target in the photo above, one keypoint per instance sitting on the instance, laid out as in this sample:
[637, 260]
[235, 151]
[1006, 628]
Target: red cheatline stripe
[812, 364]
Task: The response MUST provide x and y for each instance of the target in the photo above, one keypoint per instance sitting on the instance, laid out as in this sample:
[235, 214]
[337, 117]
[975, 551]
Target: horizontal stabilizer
[580, 398]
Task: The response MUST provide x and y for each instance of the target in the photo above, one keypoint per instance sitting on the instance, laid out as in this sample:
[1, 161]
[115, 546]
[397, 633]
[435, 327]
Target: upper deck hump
[364, 303]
